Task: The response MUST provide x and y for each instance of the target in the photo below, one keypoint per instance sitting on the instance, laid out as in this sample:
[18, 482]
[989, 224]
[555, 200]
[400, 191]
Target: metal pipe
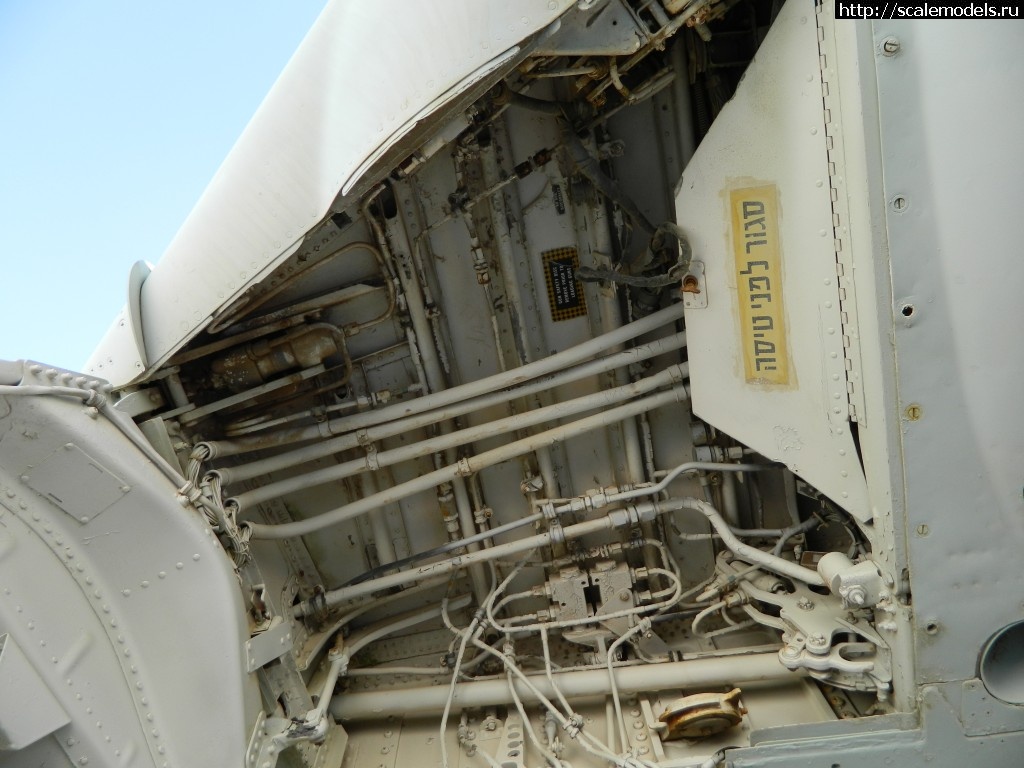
[691, 674]
[610, 318]
[501, 225]
[443, 567]
[444, 549]
[467, 527]
[367, 635]
[615, 519]
[444, 442]
[382, 539]
[312, 606]
[689, 466]
[749, 553]
[350, 440]
[730, 501]
[534, 104]
[414, 286]
[464, 467]
[312, 726]
[555, 363]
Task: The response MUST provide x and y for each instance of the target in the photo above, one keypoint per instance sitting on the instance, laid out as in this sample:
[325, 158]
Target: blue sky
[114, 115]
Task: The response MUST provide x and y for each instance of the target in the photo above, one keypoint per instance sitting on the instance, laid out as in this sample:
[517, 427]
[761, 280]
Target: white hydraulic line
[399, 670]
[306, 608]
[428, 336]
[380, 526]
[572, 725]
[435, 570]
[451, 546]
[550, 673]
[689, 466]
[465, 636]
[506, 224]
[464, 467]
[498, 552]
[657, 607]
[615, 519]
[642, 626]
[711, 609]
[602, 399]
[690, 674]
[364, 637]
[354, 439]
[313, 725]
[587, 351]
[531, 734]
[749, 553]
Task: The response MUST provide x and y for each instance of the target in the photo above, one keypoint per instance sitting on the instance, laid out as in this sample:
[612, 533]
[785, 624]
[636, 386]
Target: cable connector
[190, 492]
[573, 725]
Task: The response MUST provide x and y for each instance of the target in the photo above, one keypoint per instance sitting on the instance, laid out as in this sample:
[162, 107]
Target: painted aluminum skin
[495, 400]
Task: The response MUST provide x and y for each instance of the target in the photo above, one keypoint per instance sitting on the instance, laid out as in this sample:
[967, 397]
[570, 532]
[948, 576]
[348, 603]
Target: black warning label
[565, 293]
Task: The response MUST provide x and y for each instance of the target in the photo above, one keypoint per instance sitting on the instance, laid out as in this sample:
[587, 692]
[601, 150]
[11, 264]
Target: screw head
[890, 46]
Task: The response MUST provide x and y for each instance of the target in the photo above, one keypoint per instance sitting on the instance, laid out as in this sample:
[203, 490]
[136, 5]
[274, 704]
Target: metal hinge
[832, 111]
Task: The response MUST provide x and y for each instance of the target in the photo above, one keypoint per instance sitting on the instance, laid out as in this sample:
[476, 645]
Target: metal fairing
[600, 383]
[803, 418]
[124, 607]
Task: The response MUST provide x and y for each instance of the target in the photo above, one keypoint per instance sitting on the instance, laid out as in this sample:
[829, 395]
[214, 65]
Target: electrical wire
[643, 626]
[527, 725]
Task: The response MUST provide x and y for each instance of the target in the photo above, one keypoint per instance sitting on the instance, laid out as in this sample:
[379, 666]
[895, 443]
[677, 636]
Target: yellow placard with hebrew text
[755, 242]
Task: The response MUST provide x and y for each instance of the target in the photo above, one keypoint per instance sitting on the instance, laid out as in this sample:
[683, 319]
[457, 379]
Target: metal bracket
[695, 289]
[271, 644]
[262, 751]
[511, 753]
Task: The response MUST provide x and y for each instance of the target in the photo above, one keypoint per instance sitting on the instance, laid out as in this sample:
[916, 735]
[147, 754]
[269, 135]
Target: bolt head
[890, 46]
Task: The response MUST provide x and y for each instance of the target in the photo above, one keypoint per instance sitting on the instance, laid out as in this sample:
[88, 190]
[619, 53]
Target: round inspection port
[1002, 664]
